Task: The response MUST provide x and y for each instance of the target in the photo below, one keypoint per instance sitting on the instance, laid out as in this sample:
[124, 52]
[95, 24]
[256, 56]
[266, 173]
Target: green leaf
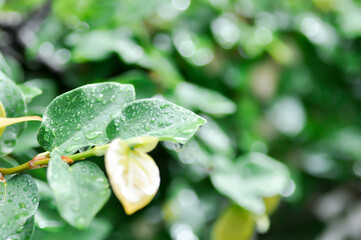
[253, 177]
[19, 199]
[25, 232]
[80, 191]
[13, 101]
[155, 117]
[79, 117]
[30, 92]
[234, 224]
[206, 100]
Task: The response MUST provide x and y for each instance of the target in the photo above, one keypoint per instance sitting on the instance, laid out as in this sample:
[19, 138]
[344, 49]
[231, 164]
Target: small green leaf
[5, 68]
[234, 224]
[25, 232]
[252, 178]
[19, 199]
[13, 101]
[79, 117]
[155, 117]
[206, 100]
[30, 92]
[80, 191]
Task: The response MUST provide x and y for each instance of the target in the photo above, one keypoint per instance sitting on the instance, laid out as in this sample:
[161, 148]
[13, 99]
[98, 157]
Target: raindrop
[76, 139]
[92, 134]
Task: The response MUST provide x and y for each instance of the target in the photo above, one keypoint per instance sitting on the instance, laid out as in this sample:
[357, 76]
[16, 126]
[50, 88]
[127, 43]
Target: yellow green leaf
[143, 144]
[2, 115]
[133, 175]
[235, 223]
[271, 203]
[4, 122]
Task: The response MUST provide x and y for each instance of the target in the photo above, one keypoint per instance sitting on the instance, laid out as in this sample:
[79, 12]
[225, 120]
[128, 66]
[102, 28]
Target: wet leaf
[13, 102]
[133, 175]
[25, 232]
[79, 117]
[19, 200]
[235, 223]
[155, 117]
[80, 191]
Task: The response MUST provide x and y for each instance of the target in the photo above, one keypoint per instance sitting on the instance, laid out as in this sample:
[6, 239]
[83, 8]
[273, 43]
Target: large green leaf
[79, 117]
[13, 101]
[80, 191]
[155, 117]
[18, 203]
[253, 177]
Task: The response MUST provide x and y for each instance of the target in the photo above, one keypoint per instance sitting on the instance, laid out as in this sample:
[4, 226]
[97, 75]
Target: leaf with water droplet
[24, 232]
[133, 175]
[13, 102]
[155, 117]
[71, 184]
[17, 206]
[92, 117]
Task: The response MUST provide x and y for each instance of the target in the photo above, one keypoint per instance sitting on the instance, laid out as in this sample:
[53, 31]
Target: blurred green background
[280, 77]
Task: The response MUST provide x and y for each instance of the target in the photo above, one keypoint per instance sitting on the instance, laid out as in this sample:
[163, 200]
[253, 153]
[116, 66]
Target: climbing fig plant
[101, 119]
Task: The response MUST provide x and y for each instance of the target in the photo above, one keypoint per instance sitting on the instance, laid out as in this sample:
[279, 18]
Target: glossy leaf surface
[79, 117]
[155, 117]
[80, 191]
[13, 101]
[19, 200]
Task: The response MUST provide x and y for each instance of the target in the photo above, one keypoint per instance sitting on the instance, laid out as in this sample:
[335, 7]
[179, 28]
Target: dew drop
[76, 139]
[92, 134]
